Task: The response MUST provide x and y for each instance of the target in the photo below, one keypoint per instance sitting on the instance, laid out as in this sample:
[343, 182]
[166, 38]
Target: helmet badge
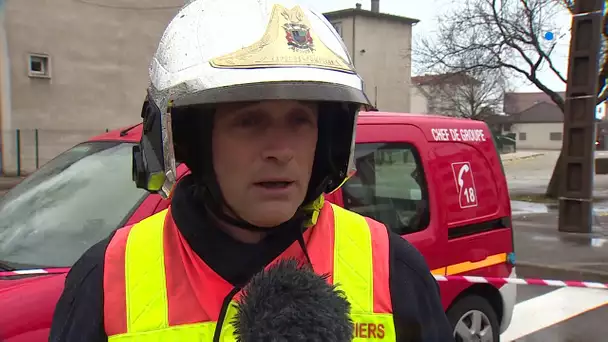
[298, 37]
[297, 33]
[302, 46]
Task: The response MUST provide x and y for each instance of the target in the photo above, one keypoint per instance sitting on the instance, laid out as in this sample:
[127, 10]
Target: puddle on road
[523, 207]
[572, 239]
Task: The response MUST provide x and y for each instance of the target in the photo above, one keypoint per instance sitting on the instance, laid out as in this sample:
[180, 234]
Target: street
[545, 314]
[556, 314]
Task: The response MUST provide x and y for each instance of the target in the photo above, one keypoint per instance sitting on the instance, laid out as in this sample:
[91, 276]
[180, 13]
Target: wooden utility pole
[577, 169]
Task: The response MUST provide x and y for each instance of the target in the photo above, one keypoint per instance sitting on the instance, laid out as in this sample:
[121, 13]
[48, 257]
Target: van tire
[469, 306]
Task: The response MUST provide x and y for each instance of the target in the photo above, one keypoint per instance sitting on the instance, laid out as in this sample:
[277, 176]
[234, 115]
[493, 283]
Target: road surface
[544, 314]
[531, 175]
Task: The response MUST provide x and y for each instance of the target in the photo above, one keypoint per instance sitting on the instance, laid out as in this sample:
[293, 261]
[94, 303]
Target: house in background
[380, 45]
[440, 93]
[72, 68]
[537, 122]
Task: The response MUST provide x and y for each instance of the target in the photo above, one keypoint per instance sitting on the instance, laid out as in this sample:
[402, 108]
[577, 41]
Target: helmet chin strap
[219, 204]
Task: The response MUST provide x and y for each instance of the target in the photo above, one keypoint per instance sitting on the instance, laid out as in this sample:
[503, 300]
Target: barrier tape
[520, 281]
[34, 271]
[468, 279]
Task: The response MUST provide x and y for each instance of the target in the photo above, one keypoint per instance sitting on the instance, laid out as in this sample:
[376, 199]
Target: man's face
[263, 155]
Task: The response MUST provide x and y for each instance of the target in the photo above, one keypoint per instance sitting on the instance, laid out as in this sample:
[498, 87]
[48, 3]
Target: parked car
[437, 181]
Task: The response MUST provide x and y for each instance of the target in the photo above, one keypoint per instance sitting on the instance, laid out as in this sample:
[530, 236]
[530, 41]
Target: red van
[437, 181]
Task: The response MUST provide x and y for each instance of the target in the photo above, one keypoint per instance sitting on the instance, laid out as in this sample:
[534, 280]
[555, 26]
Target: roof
[518, 102]
[542, 112]
[437, 79]
[351, 12]
[498, 119]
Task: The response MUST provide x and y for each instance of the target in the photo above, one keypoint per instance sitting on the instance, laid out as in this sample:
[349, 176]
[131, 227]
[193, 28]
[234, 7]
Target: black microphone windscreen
[288, 302]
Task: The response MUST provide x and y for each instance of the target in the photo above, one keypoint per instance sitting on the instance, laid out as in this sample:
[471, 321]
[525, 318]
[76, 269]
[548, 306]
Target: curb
[540, 271]
[524, 157]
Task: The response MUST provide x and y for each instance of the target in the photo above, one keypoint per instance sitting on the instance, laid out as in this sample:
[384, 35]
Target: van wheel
[473, 320]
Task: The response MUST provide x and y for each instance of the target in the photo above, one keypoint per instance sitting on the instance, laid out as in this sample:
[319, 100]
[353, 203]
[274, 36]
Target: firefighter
[259, 100]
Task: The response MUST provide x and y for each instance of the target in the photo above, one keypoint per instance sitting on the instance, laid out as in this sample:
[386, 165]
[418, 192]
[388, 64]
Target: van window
[389, 186]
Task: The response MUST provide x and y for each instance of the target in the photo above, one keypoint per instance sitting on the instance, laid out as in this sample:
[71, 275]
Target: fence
[22, 151]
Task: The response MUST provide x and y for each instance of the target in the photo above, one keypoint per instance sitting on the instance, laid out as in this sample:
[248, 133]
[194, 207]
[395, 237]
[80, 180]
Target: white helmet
[217, 51]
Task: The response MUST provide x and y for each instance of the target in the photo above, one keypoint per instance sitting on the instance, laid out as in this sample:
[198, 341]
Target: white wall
[537, 135]
[418, 102]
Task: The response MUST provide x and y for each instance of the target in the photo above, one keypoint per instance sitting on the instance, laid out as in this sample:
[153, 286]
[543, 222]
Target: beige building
[380, 45]
[70, 69]
[420, 101]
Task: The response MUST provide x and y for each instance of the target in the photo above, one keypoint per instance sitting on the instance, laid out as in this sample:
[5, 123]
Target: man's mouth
[274, 184]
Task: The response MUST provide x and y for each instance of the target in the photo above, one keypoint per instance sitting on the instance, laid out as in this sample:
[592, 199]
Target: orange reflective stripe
[468, 266]
[439, 271]
[115, 296]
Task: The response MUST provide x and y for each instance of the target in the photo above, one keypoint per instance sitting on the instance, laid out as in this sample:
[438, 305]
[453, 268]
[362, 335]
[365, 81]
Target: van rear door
[392, 186]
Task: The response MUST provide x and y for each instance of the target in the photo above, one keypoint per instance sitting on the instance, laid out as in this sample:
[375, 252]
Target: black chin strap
[215, 204]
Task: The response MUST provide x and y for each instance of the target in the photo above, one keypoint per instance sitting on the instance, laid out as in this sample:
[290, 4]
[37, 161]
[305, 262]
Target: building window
[522, 136]
[338, 28]
[389, 187]
[555, 136]
[39, 65]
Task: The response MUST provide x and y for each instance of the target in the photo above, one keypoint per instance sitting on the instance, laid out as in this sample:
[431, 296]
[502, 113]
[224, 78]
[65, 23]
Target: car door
[391, 186]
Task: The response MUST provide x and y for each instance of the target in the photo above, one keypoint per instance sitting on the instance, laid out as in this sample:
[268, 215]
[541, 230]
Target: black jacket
[417, 308]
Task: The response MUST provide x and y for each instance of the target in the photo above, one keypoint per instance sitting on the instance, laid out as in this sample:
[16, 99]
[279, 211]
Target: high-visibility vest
[156, 288]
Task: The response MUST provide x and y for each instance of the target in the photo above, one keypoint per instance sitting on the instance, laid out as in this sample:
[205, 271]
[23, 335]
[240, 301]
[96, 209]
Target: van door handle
[479, 257]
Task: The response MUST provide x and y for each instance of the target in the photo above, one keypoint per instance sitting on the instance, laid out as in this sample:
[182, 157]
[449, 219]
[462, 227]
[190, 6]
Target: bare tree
[506, 35]
[473, 94]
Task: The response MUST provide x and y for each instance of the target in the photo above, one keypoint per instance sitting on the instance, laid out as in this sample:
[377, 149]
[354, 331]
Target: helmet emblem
[289, 41]
[298, 37]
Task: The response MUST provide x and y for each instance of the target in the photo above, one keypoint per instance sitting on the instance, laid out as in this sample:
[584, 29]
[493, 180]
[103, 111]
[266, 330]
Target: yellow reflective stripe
[146, 289]
[186, 332]
[470, 266]
[373, 327]
[227, 334]
[353, 262]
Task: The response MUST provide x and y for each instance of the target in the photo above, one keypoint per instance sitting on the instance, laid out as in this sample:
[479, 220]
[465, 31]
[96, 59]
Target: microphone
[288, 302]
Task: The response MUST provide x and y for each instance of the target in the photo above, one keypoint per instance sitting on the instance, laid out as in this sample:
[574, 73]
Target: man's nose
[279, 146]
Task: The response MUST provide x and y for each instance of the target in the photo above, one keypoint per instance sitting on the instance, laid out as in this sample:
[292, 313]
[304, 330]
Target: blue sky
[427, 12]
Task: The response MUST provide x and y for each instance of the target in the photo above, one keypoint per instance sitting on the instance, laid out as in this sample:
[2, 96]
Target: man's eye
[248, 121]
[303, 119]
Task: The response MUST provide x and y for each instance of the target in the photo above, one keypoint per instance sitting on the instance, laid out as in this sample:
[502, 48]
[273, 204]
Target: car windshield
[68, 205]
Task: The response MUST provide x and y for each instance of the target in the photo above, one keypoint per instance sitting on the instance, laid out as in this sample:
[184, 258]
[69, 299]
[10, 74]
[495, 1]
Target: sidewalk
[519, 155]
[544, 252]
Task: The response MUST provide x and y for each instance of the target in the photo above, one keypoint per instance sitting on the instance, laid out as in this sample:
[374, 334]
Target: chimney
[358, 5]
[376, 6]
